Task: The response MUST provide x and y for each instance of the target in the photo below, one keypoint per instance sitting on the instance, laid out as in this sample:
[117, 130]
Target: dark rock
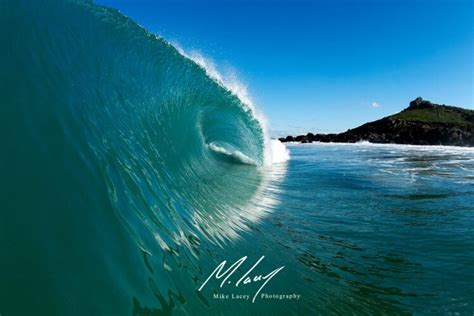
[300, 138]
[419, 103]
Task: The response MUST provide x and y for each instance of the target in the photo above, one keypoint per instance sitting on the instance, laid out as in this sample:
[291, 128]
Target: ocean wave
[113, 133]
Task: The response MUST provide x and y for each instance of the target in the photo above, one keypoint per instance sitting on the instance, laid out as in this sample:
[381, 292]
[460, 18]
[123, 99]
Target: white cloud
[375, 104]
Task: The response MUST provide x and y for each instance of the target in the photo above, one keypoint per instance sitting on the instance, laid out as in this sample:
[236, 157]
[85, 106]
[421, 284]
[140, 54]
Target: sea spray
[275, 151]
[110, 186]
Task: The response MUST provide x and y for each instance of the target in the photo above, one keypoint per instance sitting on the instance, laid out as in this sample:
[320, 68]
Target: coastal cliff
[422, 123]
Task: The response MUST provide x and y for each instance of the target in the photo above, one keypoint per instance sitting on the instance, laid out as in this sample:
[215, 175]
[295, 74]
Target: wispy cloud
[375, 104]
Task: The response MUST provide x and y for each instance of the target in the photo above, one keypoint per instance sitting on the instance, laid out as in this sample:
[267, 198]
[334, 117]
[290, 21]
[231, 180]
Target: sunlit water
[129, 172]
[360, 229]
[376, 228]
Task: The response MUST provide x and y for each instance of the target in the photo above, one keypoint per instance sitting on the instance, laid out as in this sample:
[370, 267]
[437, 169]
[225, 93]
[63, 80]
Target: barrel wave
[121, 158]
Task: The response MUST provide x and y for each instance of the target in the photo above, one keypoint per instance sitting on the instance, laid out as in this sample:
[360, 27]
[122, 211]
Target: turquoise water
[129, 172]
[382, 228]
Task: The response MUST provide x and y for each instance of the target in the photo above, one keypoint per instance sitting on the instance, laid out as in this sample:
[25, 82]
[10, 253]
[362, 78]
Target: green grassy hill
[427, 112]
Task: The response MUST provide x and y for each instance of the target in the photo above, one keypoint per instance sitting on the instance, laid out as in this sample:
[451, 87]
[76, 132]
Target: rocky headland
[421, 123]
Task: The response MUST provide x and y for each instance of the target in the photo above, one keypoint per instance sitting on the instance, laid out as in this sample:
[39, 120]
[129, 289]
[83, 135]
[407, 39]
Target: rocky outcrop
[402, 129]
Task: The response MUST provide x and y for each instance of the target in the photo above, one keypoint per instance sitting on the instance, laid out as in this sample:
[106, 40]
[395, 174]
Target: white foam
[274, 150]
[278, 151]
[439, 148]
[236, 154]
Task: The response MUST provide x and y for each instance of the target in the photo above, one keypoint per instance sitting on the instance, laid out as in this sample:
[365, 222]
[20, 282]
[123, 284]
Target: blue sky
[326, 66]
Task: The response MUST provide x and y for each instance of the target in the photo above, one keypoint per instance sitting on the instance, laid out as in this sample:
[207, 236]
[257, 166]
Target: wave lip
[147, 124]
[121, 140]
[233, 153]
[274, 150]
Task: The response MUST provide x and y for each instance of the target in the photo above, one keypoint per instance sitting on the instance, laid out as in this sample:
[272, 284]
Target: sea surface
[379, 229]
[130, 170]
